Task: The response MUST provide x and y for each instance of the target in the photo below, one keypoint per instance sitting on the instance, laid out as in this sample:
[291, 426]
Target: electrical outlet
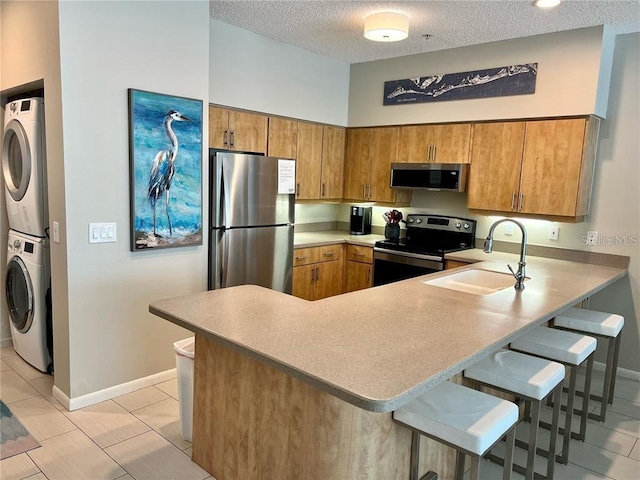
[508, 228]
[592, 238]
[554, 232]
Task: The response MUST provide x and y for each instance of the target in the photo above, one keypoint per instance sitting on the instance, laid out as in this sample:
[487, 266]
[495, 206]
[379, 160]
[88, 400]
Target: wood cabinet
[358, 268]
[446, 143]
[282, 138]
[320, 165]
[369, 154]
[236, 130]
[538, 167]
[318, 272]
[448, 264]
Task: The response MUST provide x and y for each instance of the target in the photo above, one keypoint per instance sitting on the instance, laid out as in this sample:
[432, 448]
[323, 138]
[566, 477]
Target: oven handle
[406, 259]
[407, 254]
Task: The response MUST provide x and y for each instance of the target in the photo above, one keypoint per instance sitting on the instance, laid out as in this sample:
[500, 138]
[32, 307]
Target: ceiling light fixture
[386, 27]
[547, 3]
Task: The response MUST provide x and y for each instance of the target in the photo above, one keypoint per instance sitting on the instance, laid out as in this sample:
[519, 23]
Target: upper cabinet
[369, 154]
[282, 138]
[539, 167]
[319, 170]
[236, 130]
[447, 143]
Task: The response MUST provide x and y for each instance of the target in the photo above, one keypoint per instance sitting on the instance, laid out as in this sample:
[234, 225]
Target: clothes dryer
[27, 289]
[23, 165]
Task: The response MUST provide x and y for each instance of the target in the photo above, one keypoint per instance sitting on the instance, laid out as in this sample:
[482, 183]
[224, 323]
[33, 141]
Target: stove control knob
[466, 226]
[418, 220]
[458, 225]
[411, 220]
[16, 244]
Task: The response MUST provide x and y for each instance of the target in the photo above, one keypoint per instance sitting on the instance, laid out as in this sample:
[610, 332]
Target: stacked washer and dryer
[28, 279]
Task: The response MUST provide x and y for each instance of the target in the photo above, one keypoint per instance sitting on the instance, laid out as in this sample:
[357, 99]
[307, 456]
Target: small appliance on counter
[360, 221]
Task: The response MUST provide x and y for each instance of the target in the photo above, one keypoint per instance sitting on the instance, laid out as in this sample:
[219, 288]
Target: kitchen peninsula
[286, 388]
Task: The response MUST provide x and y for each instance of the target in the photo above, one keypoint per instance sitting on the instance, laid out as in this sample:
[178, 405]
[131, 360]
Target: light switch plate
[102, 233]
[56, 232]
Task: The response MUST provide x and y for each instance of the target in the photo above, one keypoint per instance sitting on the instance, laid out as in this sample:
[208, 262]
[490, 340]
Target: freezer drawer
[252, 256]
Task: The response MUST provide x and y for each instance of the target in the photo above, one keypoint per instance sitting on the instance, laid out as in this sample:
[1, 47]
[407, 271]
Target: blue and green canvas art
[166, 170]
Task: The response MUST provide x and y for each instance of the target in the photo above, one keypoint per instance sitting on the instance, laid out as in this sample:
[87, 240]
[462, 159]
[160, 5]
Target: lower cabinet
[318, 272]
[358, 268]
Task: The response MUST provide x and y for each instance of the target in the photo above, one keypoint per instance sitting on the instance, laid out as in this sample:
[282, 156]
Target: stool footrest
[516, 468]
[430, 476]
[574, 435]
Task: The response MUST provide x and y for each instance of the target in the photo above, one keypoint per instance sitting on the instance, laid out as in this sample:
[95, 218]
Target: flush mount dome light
[547, 3]
[386, 27]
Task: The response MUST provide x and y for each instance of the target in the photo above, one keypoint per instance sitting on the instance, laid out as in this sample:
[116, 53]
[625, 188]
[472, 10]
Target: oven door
[392, 266]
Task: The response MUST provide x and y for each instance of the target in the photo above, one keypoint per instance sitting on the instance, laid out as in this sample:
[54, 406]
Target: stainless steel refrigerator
[251, 217]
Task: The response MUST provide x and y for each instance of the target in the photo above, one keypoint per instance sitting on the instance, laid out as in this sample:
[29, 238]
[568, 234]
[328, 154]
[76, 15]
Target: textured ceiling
[335, 28]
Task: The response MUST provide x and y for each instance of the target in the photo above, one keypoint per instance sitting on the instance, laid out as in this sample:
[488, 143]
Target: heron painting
[166, 170]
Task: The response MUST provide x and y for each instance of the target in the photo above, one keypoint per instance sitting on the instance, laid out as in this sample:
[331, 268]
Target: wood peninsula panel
[255, 422]
[551, 164]
[282, 138]
[333, 143]
[309, 163]
[494, 174]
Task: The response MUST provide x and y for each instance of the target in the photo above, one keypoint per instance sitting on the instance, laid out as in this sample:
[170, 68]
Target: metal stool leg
[585, 400]
[533, 439]
[606, 389]
[614, 369]
[415, 455]
[460, 465]
[508, 454]
[564, 458]
[554, 432]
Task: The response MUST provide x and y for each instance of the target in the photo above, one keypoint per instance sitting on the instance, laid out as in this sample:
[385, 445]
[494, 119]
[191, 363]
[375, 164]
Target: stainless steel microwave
[450, 177]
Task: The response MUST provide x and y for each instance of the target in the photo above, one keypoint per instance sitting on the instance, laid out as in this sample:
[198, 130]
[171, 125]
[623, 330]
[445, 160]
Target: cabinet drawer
[329, 253]
[305, 256]
[358, 253]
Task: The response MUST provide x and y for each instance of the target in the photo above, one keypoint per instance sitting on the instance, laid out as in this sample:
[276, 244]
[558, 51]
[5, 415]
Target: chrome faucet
[488, 248]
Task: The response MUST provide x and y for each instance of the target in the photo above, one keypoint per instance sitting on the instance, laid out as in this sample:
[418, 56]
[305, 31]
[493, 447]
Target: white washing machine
[23, 165]
[26, 287]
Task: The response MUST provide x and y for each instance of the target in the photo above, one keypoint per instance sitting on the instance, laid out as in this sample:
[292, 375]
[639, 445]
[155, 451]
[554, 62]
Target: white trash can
[184, 365]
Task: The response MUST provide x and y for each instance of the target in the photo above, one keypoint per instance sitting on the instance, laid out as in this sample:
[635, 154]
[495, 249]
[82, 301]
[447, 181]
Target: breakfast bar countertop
[381, 347]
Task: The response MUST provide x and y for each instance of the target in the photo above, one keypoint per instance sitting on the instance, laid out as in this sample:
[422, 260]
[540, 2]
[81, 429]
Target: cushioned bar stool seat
[570, 349]
[531, 379]
[462, 418]
[606, 326]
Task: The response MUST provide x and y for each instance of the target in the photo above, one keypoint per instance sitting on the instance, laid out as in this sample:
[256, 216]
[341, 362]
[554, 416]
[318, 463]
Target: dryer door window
[19, 292]
[16, 160]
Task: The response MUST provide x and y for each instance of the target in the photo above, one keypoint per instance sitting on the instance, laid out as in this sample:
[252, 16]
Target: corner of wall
[604, 73]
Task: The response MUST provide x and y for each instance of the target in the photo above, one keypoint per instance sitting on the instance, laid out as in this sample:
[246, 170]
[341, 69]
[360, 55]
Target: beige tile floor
[137, 436]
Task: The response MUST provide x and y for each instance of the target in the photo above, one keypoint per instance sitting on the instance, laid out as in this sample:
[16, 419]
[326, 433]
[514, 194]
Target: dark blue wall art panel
[492, 82]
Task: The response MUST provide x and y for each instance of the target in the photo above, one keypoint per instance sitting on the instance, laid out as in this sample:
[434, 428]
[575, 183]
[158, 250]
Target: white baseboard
[111, 392]
[622, 372]
[6, 342]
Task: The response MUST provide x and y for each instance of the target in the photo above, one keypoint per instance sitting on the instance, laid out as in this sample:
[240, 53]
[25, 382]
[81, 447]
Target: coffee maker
[360, 221]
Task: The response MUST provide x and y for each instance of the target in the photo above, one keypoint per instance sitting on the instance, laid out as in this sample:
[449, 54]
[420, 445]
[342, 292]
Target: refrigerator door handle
[224, 264]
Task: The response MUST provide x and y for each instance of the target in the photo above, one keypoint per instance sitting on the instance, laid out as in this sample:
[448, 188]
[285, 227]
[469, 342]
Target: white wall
[615, 203]
[257, 73]
[107, 47]
[567, 81]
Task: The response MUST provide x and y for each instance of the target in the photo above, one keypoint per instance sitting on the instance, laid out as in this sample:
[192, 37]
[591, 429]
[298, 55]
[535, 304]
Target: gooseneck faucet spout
[488, 248]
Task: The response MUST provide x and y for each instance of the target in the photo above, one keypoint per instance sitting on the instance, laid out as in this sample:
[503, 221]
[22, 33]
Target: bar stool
[531, 379]
[462, 418]
[606, 326]
[572, 350]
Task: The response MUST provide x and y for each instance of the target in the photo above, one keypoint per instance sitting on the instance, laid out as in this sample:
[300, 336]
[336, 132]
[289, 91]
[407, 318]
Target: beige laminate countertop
[328, 237]
[381, 347]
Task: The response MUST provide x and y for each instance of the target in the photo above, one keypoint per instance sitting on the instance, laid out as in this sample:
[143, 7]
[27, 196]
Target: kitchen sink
[475, 281]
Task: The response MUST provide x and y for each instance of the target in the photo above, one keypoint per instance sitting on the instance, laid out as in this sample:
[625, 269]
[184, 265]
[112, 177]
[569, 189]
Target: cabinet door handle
[428, 153]
[225, 141]
[521, 202]
[313, 275]
[323, 189]
[369, 197]
[364, 191]
[301, 258]
[435, 153]
[232, 136]
[329, 254]
[368, 275]
[513, 200]
[297, 189]
[317, 273]
[358, 254]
